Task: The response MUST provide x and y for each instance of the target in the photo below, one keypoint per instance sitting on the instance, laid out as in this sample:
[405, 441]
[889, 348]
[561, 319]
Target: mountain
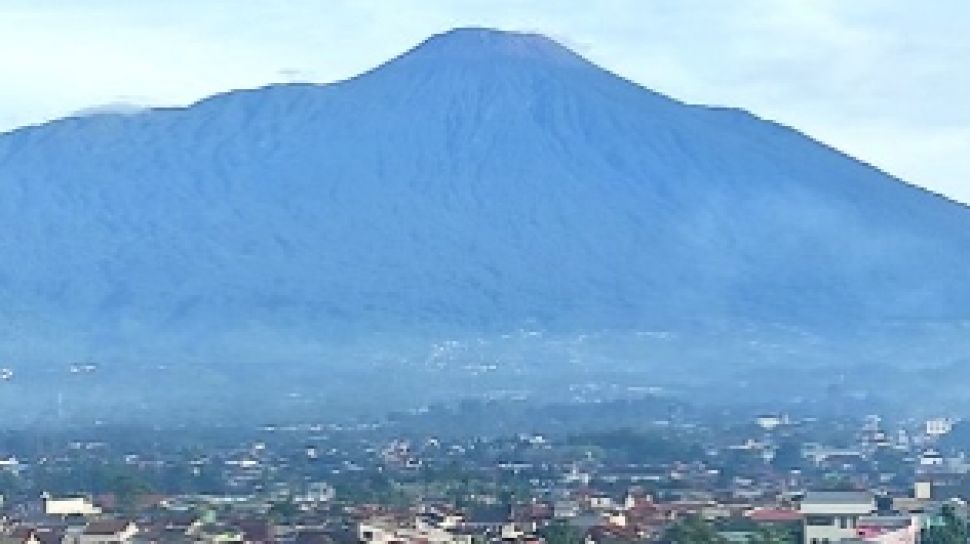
[481, 182]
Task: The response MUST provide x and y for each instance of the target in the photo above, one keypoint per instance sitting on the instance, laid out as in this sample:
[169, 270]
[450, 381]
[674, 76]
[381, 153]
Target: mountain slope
[482, 181]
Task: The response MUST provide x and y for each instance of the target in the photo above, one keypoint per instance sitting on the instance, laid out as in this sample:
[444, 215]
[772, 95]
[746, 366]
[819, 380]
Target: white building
[69, 506]
[565, 508]
[923, 490]
[11, 464]
[386, 531]
[770, 422]
[316, 493]
[108, 532]
[931, 458]
[831, 516]
[939, 426]
[601, 502]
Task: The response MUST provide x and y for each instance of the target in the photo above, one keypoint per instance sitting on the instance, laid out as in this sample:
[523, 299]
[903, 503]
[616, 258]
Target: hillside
[481, 182]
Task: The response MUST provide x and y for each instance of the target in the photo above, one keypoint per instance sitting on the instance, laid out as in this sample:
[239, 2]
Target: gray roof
[886, 521]
[838, 497]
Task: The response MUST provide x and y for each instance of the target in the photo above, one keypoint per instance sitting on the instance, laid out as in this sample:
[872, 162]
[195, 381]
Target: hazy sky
[885, 80]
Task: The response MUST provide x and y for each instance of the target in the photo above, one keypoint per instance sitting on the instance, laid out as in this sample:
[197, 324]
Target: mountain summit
[488, 45]
[483, 181]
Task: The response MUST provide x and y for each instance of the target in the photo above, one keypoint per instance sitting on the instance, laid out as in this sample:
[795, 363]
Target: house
[770, 422]
[565, 508]
[69, 506]
[487, 519]
[938, 427]
[831, 516]
[889, 529]
[317, 493]
[186, 523]
[387, 531]
[30, 535]
[601, 501]
[108, 531]
[778, 516]
[312, 536]
[256, 531]
[931, 458]
[219, 534]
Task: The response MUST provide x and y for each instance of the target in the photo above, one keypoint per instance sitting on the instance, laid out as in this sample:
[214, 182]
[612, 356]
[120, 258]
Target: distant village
[771, 479]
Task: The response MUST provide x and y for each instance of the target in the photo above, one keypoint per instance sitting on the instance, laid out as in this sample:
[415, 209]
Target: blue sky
[885, 80]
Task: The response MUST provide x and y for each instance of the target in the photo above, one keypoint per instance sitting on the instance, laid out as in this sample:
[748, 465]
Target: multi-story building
[938, 426]
[831, 516]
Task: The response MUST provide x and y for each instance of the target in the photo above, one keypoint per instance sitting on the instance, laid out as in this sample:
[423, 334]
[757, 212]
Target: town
[484, 272]
[687, 478]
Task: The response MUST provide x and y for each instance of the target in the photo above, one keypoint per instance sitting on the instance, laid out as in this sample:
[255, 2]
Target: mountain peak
[484, 181]
[478, 43]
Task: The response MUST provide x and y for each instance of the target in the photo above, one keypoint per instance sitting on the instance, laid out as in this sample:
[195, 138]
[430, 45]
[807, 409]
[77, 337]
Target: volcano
[482, 181]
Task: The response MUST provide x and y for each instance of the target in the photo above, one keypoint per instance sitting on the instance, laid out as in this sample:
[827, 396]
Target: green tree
[837, 482]
[691, 530]
[127, 488]
[788, 456]
[561, 533]
[282, 511]
[772, 534]
[948, 529]
[9, 483]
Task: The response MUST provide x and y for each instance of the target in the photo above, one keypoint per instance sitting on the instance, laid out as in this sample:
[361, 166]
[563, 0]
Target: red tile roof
[774, 514]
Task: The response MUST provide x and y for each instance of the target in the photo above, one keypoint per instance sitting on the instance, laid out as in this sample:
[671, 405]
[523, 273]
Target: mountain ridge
[498, 36]
[447, 189]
